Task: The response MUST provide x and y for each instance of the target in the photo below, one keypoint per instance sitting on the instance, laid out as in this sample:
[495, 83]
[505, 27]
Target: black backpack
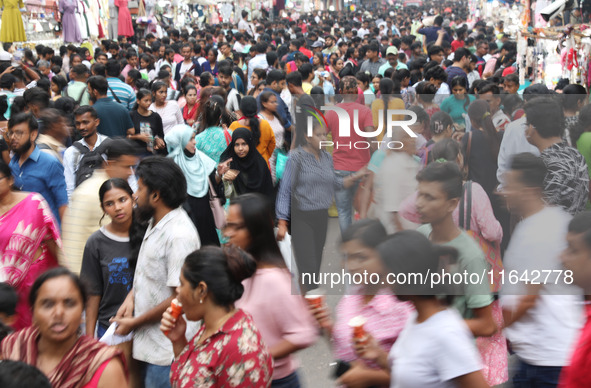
[76, 101]
[90, 161]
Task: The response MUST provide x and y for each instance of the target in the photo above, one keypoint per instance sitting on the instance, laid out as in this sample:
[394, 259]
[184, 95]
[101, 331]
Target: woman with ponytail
[110, 255]
[228, 349]
[262, 133]
[481, 147]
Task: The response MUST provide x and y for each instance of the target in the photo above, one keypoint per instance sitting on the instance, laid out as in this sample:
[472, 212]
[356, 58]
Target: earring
[200, 300]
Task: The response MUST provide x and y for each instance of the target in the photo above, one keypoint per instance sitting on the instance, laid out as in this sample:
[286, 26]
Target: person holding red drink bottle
[210, 284]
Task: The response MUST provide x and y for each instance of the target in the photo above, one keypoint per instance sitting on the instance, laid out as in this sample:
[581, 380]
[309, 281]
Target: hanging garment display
[12, 29]
[70, 26]
[113, 20]
[125, 26]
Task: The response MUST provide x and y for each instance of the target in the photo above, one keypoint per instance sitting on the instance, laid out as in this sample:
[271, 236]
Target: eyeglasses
[17, 134]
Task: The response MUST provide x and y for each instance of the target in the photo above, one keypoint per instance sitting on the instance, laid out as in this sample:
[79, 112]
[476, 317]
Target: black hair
[448, 174]
[24, 118]
[573, 94]
[99, 84]
[479, 113]
[447, 149]
[86, 109]
[581, 224]
[225, 68]
[370, 233]
[222, 269]
[363, 77]
[271, 57]
[8, 296]
[249, 107]
[546, 116]
[17, 374]
[434, 50]
[135, 75]
[137, 230]
[7, 81]
[113, 68]
[163, 175]
[60, 81]
[426, 258]
[157, 85]
[258, 218]
[532, 169]
[426, 91]
[294, 78]
[439, 122]
[141, 93]
[437, 73]
[275, 75]
[205, 79]
[212, 114]
[52, 274]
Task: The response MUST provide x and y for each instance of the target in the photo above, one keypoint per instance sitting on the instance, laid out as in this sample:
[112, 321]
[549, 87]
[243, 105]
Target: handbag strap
[468, 151]
[212, 193]
[466, 215]
[114, 95]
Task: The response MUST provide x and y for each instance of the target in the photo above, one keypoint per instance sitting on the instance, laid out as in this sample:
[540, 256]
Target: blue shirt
[123, 91]
[431, 34]
[44, 174]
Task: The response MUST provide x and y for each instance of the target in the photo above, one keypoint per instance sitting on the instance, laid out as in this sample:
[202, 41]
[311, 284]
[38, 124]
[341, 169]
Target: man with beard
[170, 237]
[114, 118]
[34, 170]
[84, 213]
[87, 121]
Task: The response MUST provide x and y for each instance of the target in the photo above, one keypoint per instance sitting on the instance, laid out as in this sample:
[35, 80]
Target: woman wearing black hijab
[248, 170]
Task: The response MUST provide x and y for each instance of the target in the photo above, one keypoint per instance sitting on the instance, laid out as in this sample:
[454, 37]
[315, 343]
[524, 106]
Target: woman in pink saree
[29, 240]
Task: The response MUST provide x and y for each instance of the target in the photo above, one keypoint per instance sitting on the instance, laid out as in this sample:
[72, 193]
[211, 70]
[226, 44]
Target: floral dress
[235, 356]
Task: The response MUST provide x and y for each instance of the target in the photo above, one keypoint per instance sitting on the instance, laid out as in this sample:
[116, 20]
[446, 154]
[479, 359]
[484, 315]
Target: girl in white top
[436, 348]
[269, 112]
[169, 110]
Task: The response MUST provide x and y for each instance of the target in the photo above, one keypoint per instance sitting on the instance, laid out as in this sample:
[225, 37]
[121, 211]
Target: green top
[472, 260]
[455, 108]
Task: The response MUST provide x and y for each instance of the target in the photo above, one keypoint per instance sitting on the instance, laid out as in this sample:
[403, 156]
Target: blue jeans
[155, 376]
[100, 331]
[532, 376]
[344, 201]
[290, 381]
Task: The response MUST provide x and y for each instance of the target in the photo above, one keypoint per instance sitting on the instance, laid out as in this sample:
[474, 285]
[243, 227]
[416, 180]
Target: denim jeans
[344, 201]
[532, 376]
[155, 376]
[290, 381]
[100, 331]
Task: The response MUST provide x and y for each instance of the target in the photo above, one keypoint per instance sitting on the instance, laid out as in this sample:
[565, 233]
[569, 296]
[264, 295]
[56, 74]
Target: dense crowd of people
[139, 178]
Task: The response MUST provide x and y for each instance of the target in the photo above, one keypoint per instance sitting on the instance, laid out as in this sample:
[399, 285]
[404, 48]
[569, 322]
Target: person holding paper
[108, 263]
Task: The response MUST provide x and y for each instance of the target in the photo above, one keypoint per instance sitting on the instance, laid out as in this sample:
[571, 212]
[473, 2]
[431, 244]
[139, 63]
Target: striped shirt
[123, 91]
[314, 183]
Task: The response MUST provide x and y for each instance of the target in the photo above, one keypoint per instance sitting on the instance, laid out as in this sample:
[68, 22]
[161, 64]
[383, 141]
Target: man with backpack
[77, 89]
[87, 121]
[82, 218]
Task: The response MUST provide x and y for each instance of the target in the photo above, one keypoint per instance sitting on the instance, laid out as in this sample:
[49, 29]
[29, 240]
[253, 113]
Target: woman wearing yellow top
[388, 90]
[263, 135]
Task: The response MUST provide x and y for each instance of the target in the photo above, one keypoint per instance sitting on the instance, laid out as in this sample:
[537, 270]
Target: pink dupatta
[23, 231]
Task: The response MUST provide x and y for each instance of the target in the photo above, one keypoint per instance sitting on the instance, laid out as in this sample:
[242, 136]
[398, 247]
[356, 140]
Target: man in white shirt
[243, 26]
[225, 79]
[541, 310]
[87, 121]
[170, 237]
[258, 62]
